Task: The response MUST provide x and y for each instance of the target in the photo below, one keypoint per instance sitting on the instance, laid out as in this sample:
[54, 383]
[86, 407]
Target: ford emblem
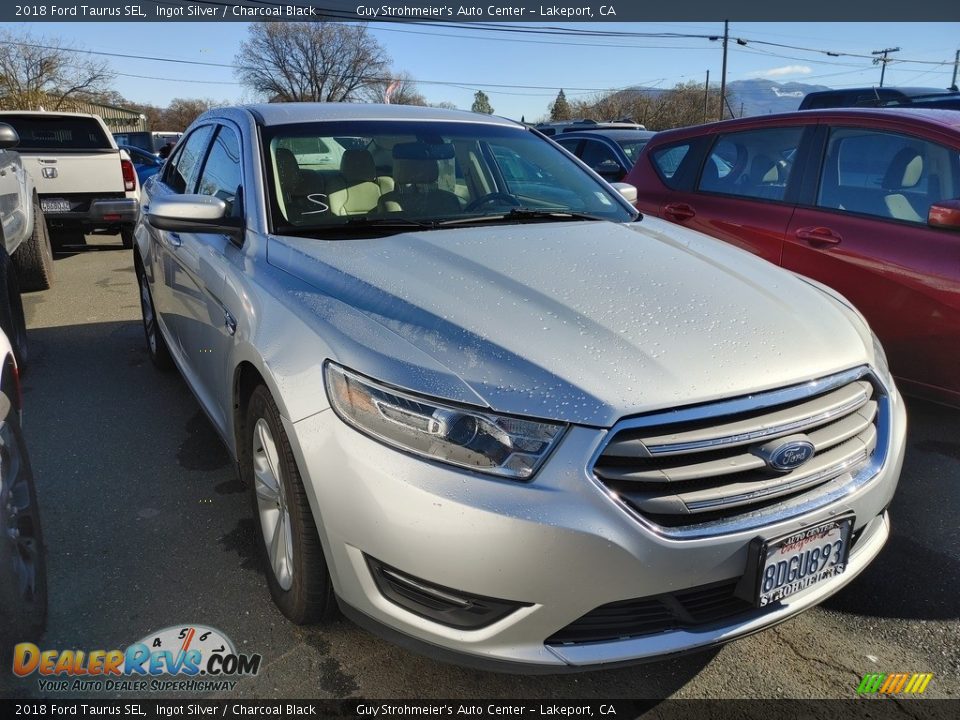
[786, 454]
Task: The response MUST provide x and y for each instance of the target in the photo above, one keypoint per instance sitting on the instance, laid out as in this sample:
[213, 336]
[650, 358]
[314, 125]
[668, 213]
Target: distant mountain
[762, 97]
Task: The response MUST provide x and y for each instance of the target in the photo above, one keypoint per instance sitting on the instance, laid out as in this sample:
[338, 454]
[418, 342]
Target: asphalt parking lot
[147, 528]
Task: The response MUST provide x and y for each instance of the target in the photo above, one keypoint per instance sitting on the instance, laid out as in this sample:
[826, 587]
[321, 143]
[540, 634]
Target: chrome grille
[707, 465]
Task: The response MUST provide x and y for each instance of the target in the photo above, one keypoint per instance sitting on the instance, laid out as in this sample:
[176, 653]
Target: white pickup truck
[26, 259]
[83, 180]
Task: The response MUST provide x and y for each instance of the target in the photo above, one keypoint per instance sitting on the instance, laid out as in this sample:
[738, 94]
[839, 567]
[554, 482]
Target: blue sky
[469, 59]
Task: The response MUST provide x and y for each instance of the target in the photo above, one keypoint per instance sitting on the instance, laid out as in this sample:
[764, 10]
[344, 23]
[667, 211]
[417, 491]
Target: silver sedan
[490, 412]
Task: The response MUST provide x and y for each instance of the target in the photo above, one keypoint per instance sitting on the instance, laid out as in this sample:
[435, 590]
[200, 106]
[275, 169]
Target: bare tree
[38, 72]
[679, 106]
[311, 61]
[399, 89]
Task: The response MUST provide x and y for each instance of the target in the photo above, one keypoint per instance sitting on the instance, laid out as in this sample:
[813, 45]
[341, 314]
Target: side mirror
[8, 137]
[610, 170]
[945, 214]
[194, 214]
[628, 191]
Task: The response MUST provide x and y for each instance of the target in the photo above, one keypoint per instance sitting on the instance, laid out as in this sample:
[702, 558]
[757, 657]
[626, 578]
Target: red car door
[742, 194]
[865, 233]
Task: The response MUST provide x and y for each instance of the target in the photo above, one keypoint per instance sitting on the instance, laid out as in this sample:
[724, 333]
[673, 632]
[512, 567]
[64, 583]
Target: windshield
[329, 176]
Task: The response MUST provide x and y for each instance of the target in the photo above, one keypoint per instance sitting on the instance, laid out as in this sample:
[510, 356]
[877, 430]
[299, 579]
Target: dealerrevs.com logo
[180, 658]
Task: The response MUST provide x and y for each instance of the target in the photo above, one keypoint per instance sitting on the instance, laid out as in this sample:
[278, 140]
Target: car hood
[584, 322]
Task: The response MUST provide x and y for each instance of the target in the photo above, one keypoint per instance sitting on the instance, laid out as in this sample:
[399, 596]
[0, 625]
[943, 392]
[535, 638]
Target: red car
[866, 201]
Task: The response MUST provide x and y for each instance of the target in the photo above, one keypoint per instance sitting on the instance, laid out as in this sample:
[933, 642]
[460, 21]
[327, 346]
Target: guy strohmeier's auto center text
[226, 11]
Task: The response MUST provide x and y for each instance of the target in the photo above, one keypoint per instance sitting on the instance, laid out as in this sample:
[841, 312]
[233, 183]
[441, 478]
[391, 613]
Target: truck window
[58, 132]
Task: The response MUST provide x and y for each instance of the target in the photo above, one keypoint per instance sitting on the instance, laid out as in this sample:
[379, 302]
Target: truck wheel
[34, 258]
[126, 236]
[12, 321]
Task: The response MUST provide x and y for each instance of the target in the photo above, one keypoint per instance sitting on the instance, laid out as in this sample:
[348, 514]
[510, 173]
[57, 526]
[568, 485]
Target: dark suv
[877, 97]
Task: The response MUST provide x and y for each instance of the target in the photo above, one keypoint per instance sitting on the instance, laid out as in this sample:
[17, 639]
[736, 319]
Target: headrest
[415, 172]
[287, 167]
[904, 171]
[357, 166]
[763, 169]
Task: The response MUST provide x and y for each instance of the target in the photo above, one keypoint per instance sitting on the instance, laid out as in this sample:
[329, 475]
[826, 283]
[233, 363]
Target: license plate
[55, 206]
[802, 559]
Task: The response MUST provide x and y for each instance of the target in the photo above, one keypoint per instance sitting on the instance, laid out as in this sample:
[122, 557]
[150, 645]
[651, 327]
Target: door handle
[175, 239]
[678, 212]
[819, 236]
[230, 322]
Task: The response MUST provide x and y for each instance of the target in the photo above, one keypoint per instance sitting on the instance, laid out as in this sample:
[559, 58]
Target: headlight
[504, 446]
[880, 358]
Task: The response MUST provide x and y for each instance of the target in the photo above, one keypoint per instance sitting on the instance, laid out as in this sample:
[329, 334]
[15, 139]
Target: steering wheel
[491, 198]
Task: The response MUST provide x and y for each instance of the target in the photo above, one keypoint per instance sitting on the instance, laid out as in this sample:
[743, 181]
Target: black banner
[879, 709]
[558, 11]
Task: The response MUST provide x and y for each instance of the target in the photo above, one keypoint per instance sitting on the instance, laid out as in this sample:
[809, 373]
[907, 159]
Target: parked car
[866, 201]
[497, 427]
[871, 97]
[26, 258]
[145, 164]
[150, 142]
[82, 178]
[611, 153]
[23, 576]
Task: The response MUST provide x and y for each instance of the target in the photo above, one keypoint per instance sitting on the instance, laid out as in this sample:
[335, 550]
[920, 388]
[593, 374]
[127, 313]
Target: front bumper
[558, 544]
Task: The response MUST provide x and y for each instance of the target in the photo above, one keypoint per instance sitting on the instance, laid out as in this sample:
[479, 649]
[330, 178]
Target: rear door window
[752, 163]
[886, 174]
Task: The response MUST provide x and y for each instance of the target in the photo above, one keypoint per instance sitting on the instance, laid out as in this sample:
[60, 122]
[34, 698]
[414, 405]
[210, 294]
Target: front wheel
[293, 556]
[23, 573]
[156, 345]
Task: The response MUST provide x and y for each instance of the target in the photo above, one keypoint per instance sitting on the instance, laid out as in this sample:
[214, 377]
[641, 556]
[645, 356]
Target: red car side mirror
[945, 214]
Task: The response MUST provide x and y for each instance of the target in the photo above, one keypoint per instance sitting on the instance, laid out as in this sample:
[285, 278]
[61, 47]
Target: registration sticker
[802, 559]
[54, 205]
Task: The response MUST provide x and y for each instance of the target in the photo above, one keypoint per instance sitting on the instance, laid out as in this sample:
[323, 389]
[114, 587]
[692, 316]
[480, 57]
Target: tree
[181, 112]
[445, 104]
[311, 61]
[560, 109]
[400, 89]
[37, 72]
[481, 103]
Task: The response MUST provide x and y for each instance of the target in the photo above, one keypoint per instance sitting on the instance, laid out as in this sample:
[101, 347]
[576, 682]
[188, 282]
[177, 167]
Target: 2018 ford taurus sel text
[489, 412]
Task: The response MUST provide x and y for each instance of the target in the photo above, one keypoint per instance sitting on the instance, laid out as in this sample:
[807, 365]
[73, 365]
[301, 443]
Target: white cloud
[783, 71]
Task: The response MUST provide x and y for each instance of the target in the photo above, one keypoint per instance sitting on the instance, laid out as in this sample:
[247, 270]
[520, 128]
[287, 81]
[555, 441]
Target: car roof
[612, 133]
[889, 90]
[269, 114]
[51, 113]
[943, 120]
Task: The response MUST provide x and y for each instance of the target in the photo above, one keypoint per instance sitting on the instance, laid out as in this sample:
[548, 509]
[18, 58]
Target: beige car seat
[358, 189]
[904, 173]
[416, 193]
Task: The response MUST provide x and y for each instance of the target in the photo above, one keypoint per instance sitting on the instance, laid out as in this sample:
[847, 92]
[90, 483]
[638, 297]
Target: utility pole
[956, 65]
[723, 72]
[883, 61]
[706, 94]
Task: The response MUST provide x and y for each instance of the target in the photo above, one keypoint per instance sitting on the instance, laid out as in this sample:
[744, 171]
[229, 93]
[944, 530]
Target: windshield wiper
[521, 214]
[355, 226]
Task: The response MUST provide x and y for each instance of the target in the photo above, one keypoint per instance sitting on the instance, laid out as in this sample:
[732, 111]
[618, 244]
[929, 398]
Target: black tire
[34, 258]
[23, 566]
[156, 345]
[126, 236]
[12, 321]
[309, 597]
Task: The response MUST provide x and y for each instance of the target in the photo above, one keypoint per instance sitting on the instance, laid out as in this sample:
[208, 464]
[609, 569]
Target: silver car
[493, 414]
